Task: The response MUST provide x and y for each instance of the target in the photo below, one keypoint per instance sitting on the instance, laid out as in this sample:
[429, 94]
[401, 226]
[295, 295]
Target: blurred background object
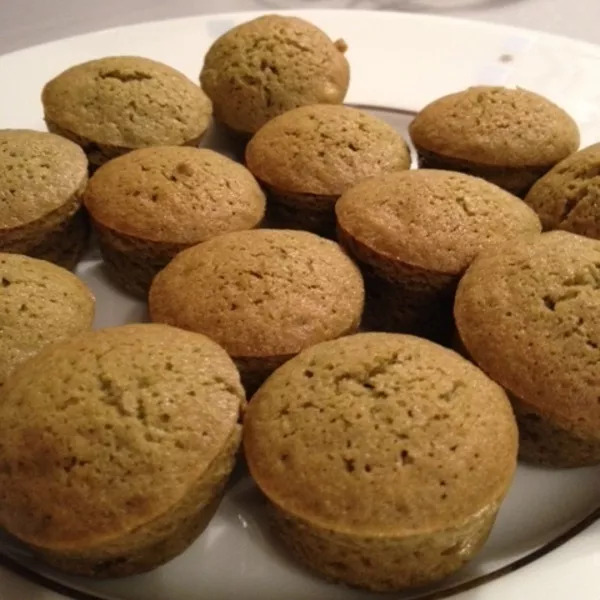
[27, 22]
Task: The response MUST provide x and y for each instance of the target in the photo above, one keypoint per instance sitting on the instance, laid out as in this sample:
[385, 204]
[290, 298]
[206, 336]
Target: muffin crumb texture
[174, 195]
[411, 268]
[106, 457]
[375, 446]
[39, 173]
[392, 215]
[510, 137]
[568, 196]
[324, 150]
[123, 102]
[42, 178]
[496, 126]
[261, 293]
[528, 315]
[40, 304]
[270, 65]
[152, 203]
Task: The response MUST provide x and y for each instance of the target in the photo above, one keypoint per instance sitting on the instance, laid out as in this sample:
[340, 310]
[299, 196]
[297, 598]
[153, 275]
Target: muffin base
[518, 181]
[310, 212]
[254, 370]
[98, 154]
[154, 544]
[384, 562]
[402, 298]
[542, 442]
[237, 136]
[58, 238]
[396, 307]
[66, 246]
[132, 263]
[545, 443]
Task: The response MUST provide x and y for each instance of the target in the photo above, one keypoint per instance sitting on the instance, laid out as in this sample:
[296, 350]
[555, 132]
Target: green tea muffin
[263, 295]
[113, 462]
[307, 157]
[568, 196]
[42, 177]
[115, 104]
[510, 137]
[150, 204]
[270, 65]
[414, 233]
[40, 304]
[385, 458]
[528, 314]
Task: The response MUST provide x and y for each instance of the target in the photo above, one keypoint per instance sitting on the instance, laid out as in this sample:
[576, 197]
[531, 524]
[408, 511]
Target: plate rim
[72, 593]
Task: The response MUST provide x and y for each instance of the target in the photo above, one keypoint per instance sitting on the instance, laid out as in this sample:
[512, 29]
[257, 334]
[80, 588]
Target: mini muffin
[270, 65]
[113, 461]
[385, 458]
[510, 137]
[42, 177]
[568, 196]
[309, 156]
[150, 204]
[414, 233]
[529, 315]
[40, 304]
[115, 104]
[263, 295]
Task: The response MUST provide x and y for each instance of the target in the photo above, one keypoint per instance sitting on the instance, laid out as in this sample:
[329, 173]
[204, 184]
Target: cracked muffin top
[122, 425]
[174, 194]
[435, 220]
[381, 434]
[126, 102]
[261, 293]
[568, 196]
[324, 150]
[269, 65]
[496, 126]
[528, 314]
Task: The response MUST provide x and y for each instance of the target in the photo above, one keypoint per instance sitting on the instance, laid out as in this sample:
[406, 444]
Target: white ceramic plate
[546, 543]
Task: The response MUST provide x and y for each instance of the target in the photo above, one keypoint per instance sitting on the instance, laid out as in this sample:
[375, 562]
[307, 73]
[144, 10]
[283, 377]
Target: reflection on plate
[400, 62]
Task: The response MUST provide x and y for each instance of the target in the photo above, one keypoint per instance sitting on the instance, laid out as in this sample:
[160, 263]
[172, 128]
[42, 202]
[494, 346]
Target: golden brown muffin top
[324, 149]
[496, 126]
[128, 102]
[40, 304]
[113, 435]
[436, 220]
[262, 292]
[381, 434]
[568, 196]
[529, 314]
[39, 173]
[174, 194]
[269, 65]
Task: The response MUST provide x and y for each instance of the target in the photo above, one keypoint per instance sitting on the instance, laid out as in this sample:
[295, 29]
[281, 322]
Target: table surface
[27, 22]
